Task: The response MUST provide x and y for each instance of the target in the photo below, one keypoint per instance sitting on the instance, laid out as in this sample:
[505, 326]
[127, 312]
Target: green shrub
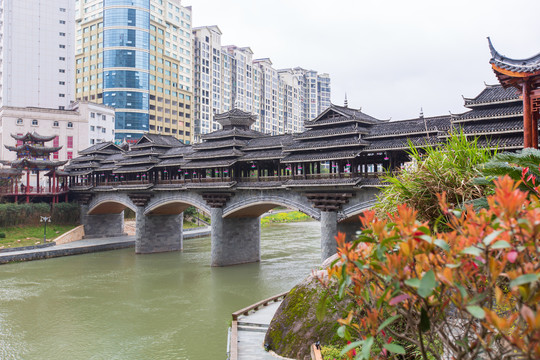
[2, 235]
[451, 168]
[66, 213]
[29, 214]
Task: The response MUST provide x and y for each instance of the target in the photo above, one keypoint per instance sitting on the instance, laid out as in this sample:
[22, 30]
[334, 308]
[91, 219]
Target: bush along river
[119, 305]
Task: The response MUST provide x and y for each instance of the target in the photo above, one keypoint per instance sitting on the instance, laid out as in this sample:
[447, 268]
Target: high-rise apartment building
[36, 53]
[227, 77]
[135, 55]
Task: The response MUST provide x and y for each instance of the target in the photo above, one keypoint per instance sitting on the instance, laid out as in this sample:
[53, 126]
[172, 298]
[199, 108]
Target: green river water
[118, 305]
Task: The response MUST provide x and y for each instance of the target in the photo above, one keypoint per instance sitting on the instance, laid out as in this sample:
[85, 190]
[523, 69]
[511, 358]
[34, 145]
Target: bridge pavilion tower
[34, 156]
[524, 75]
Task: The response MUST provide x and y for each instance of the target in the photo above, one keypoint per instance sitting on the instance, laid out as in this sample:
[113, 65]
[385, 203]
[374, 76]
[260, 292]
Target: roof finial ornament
[421, 113]
[346, 102]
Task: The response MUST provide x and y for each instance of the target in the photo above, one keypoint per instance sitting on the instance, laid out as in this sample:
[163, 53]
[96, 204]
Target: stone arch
[256, 206]
[174, 204]
[350, 213]
[110, 204]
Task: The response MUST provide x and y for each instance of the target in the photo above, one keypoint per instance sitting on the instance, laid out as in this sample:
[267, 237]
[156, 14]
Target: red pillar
[527, 117]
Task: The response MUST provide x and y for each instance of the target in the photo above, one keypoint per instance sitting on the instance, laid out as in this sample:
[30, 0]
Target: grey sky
[391, 57]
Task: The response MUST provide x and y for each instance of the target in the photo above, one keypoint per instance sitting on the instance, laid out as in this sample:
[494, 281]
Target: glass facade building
[126, 60]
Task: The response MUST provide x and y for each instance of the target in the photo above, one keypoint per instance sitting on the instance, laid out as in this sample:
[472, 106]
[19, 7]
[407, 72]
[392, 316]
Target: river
[118, 305]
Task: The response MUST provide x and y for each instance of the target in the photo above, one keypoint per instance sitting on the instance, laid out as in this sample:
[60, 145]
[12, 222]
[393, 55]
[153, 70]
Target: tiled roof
[492, 126]
[262, 155]
[502, 142]
[235, 117]
[494, 94]
[491, 112]
[33, 136]
[138, 160]
[321, 156]
[113, 158]
[177, 152]
[530, 65]
[146, 152]
[101, 148]
[268, 142]
[327, 144]
[157, 140]
[337, 114]
[412, 126]
[209, 164]
[246, 134]
[172, 162]
[401, 143]
[209, 154]
[133, 169]
[333, 131]
[219, 144]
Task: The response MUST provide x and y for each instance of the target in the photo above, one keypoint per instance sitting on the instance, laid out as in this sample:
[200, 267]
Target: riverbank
[284, 216]
[19, 236]
[84, 246]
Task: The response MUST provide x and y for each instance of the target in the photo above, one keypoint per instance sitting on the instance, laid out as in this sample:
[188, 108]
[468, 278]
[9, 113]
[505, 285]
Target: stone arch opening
[256, 208]
[109, 207]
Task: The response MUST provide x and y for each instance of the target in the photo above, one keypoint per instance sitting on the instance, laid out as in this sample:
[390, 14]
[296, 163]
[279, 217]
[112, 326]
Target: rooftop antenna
[425, 123]
[346, 103]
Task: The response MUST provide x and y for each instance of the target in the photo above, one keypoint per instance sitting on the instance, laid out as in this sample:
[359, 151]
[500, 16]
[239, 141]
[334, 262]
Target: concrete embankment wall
[72, 235]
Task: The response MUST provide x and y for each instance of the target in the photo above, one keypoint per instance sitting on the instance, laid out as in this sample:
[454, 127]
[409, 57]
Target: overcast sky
[391, 57]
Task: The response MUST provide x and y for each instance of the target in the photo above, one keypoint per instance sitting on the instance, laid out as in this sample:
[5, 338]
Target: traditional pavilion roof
[146, 151]
[235, 118]
[269, 142]
[420, 125]
[133, 169]
[526, 67]
[177, 161]
[43, 150]
[104, 148]
[85, 158]
[234, 132]
[402, 143]
[220, 144]
[493, 94]
[7, 173]
[84, 165]
[138, 160]
[33, 137]
[326, 144]
[270, 154]
[491, 113]
[114, 158]
[503, 142]
[176, 152]
[209, 154]
[36, 164]
[155, 140]
[218, 163]
[321, 156]
[347, 129]
[340, 114]
[490, 127]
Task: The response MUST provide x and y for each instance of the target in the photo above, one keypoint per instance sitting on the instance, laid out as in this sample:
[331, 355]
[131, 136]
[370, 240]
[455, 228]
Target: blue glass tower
[126, 62]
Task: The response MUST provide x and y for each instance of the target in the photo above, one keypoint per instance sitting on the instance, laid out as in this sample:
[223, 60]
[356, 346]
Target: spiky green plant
[450, 167]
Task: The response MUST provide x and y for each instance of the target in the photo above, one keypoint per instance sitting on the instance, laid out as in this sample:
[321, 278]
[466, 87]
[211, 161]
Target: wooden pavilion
[524, 75]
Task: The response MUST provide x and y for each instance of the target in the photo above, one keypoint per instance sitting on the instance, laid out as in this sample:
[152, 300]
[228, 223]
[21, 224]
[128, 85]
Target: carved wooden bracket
[331, 201]
[216, 200]
[140, 199]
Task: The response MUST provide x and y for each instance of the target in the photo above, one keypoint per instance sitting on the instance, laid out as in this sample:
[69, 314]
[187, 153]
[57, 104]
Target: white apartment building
[228, 77]
[37, 66]
[78, 127]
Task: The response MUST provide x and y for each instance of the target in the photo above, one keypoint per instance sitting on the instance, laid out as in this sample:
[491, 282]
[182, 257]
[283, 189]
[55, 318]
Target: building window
[103, 117]
[61, 107]
[19, 121]
[61, 83]
[70, 142]
[61, 58]
[62, 34]
[92, 141]
[62, 46]
[103, 130]
[62, 95]
[55, 124]
[62, 9]
[34, 122]
[92, 128]
[70, 155]
[62, 22]
[92, 115]
[62, 70]
[70, 124]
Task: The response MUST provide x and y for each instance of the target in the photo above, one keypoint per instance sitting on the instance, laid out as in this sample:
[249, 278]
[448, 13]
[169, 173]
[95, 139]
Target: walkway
[249, 326]
[85, 246]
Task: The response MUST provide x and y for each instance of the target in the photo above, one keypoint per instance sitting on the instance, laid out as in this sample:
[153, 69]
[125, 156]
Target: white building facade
[227, 77]
[37, 53]
[77, 128]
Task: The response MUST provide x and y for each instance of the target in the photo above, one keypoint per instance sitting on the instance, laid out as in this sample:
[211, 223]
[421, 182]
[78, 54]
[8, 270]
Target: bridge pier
[329, 230]
[235, 240]
[349, 229]
[158, 233]
[102, 225]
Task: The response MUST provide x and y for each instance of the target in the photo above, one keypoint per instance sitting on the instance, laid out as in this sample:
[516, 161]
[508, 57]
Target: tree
[471, 292]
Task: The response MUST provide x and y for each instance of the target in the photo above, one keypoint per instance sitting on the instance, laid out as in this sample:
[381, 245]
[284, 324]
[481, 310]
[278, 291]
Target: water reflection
[118, 305]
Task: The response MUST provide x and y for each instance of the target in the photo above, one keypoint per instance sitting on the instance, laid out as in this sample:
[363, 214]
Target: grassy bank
[285, 217]
[30, 235]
